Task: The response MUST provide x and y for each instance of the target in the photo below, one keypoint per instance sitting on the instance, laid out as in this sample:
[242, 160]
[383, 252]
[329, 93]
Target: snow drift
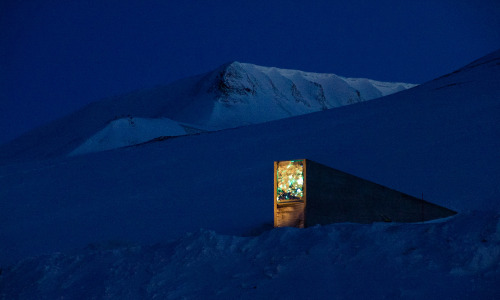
[342, 261]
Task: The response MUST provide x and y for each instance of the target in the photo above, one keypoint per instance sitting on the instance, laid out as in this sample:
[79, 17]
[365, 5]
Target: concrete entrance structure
[307, 193]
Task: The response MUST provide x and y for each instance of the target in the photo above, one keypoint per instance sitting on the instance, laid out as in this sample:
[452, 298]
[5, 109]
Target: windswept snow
[457, 259]
[86, 225]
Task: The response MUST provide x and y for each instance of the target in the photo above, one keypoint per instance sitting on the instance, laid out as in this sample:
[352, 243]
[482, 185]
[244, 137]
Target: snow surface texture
[441, 138]
[342, 261]
[233, 95]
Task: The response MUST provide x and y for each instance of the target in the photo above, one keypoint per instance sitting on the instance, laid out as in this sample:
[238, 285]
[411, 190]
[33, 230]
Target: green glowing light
[290, 179]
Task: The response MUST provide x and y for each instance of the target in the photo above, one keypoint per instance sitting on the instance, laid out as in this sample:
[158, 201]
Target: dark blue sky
[57, 56]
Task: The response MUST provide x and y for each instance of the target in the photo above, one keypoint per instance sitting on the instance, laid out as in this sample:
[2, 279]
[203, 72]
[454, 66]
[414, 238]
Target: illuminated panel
[290, 180]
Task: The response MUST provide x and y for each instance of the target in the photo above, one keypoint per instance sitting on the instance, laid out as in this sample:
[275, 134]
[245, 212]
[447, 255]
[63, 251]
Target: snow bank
[448, 260]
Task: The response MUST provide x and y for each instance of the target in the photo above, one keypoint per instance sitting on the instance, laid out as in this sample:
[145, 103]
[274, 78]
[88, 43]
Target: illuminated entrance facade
[307, 193]
[289, 193]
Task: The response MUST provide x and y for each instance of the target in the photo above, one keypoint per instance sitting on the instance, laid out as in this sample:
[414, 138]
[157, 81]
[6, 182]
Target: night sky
[57, 56]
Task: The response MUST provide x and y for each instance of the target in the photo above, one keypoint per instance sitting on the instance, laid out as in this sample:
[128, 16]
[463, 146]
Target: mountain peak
[237, 82]
[235, 94]
[232, 79]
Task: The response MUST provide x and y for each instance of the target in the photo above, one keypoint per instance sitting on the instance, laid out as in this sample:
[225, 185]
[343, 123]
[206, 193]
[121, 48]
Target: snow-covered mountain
[116, 224]
[249, 94]
[233, 95]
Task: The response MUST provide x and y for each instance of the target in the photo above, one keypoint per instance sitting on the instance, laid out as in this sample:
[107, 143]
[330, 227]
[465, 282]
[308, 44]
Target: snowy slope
[441, 139]
[132, 131]
[233, 95]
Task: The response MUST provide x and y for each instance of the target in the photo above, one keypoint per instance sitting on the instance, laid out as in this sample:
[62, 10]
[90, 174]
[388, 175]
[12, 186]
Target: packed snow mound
[233, 95]
[131, 131]
[454, 259]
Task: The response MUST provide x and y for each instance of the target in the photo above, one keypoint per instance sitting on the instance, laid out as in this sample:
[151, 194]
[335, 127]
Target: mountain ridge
[235, 94]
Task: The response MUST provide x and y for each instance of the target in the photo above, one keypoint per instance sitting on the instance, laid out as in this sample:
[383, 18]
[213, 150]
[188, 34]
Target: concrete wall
[335, 196]
[290, 215]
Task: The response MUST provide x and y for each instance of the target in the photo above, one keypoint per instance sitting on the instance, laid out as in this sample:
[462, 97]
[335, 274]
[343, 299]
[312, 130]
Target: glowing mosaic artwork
[290, 179]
